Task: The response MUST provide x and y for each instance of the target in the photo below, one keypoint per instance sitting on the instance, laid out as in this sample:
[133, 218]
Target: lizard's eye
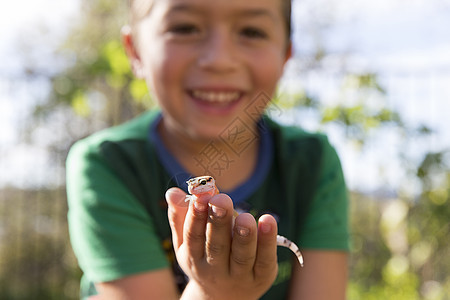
[202, 182]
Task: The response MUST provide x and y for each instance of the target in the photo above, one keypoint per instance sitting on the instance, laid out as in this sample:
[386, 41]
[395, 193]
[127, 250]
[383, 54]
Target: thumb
[177, 209]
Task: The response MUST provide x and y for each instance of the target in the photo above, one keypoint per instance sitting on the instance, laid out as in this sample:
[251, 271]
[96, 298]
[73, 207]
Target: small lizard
[207, 185]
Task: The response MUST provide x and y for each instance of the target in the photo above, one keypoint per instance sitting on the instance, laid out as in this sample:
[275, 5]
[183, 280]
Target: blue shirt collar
[238, 194]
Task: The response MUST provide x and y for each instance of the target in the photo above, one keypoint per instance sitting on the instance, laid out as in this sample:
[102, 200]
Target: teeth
[216, 96]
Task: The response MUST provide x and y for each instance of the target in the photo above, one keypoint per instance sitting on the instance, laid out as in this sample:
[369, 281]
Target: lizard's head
[201, 185]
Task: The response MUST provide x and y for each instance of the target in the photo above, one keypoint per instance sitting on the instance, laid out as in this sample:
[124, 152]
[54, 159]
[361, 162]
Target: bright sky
[25, 19]
[22, 20]
[408, 44]
[390, 36]
[21, 14]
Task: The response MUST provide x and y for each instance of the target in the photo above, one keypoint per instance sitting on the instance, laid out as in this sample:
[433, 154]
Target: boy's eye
[184, 29]
[253, 33]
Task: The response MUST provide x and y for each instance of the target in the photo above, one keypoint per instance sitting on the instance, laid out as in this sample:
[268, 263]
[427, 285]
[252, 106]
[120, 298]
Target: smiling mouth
[216, 97]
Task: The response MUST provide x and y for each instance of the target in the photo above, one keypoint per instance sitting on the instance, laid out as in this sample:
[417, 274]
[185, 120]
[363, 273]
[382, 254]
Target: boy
[212, 66]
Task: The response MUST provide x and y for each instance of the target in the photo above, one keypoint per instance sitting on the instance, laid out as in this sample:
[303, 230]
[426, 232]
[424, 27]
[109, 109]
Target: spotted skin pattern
[207, 185]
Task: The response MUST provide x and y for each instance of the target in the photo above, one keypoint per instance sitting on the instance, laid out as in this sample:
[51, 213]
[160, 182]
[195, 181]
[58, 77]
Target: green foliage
[361, 108]
[401, 246]
[370, 254]
[36, 260]
[294, 100]
[97, 84]
[80, 105]
[402, 287]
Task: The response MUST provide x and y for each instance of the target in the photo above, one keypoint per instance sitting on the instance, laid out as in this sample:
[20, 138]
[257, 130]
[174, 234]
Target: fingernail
[243, 231]
[218, 211]
[175, 196]
[266, 228]
[200, 206]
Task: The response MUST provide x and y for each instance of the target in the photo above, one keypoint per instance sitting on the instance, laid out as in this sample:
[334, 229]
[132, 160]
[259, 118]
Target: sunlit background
[373, 75]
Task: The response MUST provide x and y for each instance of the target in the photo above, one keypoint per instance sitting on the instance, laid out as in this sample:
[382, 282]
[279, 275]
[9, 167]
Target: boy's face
[206, 61]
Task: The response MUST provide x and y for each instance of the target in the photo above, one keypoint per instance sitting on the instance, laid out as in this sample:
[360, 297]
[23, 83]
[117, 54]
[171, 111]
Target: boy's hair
[140, 8]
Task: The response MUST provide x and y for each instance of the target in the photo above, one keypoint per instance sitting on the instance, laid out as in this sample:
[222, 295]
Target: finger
[243, 249]
[266, 254]
[218, 231]
[195, 227]
[176, 212]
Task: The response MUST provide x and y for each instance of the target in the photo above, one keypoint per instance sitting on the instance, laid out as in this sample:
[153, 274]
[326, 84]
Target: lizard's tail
[284, 242]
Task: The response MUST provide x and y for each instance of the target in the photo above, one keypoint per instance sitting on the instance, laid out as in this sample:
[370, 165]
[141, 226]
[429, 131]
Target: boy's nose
[218, 53]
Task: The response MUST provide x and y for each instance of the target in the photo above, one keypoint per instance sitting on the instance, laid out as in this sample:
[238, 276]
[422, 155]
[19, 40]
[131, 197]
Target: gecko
[207, 185]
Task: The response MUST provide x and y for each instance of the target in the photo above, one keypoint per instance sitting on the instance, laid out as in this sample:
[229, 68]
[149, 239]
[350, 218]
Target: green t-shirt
[118, 215]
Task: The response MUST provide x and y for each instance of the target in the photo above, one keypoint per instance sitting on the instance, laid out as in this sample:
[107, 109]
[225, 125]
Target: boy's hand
[222, 262]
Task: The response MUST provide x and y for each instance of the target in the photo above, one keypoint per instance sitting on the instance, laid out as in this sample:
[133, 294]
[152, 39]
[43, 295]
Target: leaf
[330, 114]
[138, 89]
[116, 58]
[80, 104]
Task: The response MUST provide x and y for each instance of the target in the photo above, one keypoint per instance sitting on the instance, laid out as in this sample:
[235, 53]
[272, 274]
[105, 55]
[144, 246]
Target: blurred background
[373, 75]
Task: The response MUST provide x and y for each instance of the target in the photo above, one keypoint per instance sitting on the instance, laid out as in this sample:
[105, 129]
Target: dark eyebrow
[256, 12]
[248, 12]
[182, 7]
